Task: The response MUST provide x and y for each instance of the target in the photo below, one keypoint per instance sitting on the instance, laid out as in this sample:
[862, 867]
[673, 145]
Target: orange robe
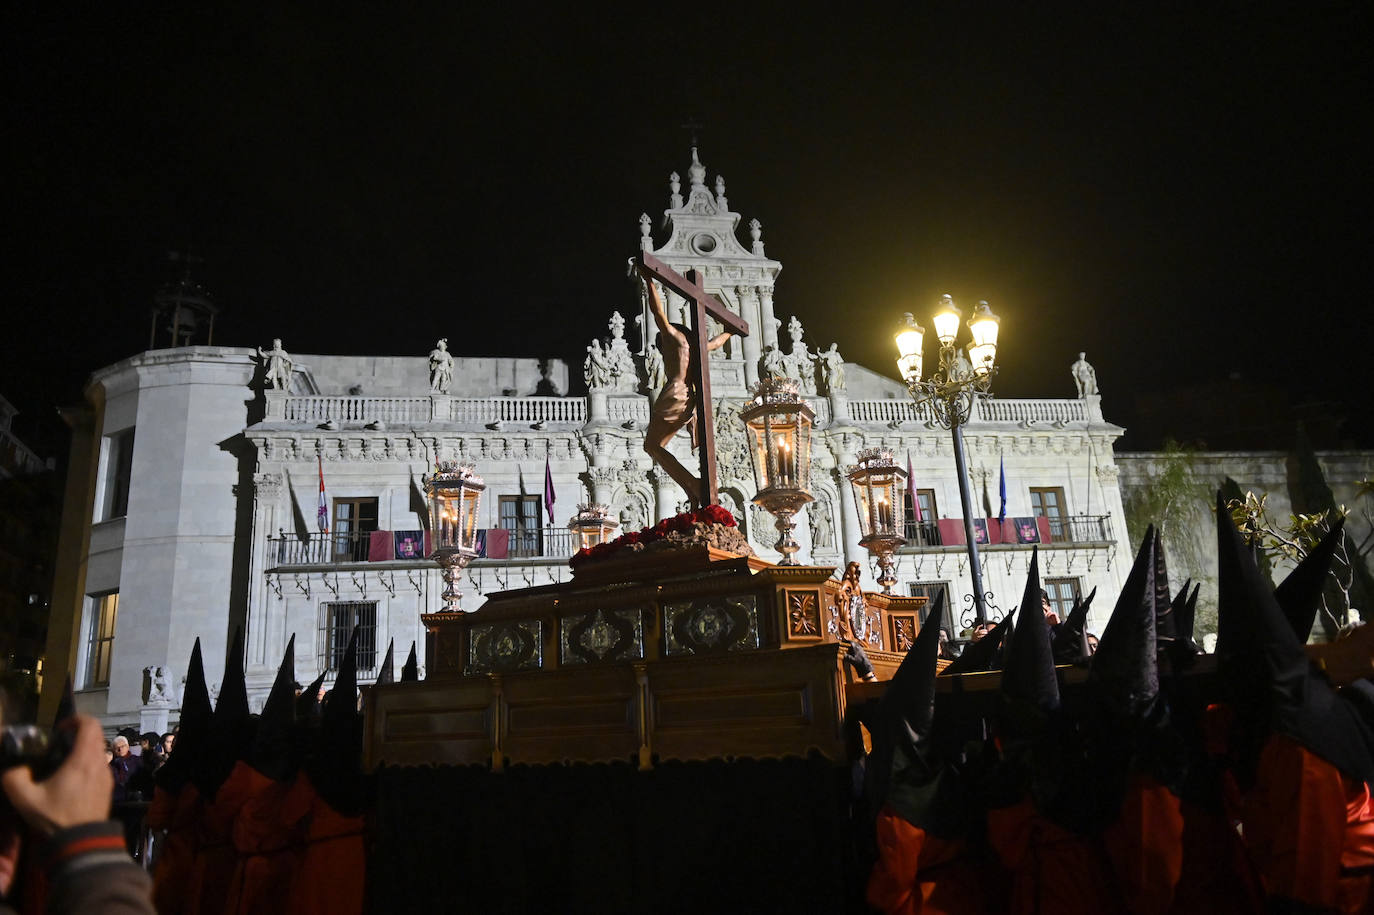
[332, 876]
[1307, 826]
[213, 869]
[268, 849]
[178, 814]
[920, 873]
[1145, 846]
[1051, 869]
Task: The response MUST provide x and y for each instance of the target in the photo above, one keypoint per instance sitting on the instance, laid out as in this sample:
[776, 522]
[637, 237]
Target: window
[1048, 502]
[354, 522]
[118, 469]
[100, 638]
[520, 516]
[336, 628]
[1063, 592]
[930, 590]
[924, 532]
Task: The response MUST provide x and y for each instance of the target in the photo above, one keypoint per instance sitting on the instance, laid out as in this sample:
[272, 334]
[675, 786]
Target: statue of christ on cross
[686, 394]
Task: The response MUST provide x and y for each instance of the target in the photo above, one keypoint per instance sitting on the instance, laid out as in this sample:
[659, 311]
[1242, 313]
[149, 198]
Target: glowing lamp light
[592, 524]
[454, 492]
[947, 321]
[910, 337]
[983, 350]
[779, 424]
[879, 486]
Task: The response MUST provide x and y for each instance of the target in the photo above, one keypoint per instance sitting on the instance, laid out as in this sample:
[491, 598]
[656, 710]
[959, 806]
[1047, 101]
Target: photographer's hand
[78, 792]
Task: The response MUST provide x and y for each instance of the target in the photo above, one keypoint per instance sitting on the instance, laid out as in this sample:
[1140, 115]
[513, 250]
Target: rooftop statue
[440, 367]
[1084, 375]
[279, 366]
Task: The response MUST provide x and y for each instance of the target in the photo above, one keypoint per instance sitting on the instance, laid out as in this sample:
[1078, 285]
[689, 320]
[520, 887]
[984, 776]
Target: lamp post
[950, 391]
[454, 492]
[779, 423]
[592, 524]
[878, 485]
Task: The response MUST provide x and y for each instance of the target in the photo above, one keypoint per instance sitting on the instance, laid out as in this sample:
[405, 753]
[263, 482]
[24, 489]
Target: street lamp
[950, 391]
[779, 423]
[454, 492]
[592, 524]
[879, 485]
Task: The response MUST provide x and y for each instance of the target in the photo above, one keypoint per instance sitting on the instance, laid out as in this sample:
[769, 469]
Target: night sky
[1184, 195]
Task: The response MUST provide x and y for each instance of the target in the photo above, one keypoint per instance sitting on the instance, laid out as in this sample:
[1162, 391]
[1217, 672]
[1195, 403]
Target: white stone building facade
[191, 505]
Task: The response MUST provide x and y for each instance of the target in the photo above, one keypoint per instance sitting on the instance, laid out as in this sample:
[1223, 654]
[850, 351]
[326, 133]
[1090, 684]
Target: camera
[40, 749]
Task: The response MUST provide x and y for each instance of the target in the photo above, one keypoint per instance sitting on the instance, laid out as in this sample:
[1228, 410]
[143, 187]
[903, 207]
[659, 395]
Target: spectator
[946, 646]
[1092, 643]
[124, 767]
[109, 752]
[167, 740]
[1050, 616]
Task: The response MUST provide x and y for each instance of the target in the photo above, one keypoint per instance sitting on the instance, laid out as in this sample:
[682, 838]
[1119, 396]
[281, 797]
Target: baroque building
[197, 472]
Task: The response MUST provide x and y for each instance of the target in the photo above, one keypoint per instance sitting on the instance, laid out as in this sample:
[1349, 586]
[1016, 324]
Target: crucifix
[689, 379]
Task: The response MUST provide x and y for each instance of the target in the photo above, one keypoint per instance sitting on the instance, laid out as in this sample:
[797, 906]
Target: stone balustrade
[519, 409]
[316, 409]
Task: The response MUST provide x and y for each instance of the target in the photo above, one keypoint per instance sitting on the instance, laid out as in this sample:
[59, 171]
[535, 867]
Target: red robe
[920, 873]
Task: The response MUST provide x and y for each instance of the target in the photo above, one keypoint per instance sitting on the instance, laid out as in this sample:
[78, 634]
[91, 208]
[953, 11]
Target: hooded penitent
[1300, 594]
[1124, 674]
[1029, 681]
[231, 726]
[1273, 685]
[1070, 636]
[335, 766]
[193, 729]
[1301, 752]
[984, 654]
[272, 752]
[387, 672]
[410, 672]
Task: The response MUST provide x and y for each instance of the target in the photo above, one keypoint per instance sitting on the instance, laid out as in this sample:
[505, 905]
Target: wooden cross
[691, 288]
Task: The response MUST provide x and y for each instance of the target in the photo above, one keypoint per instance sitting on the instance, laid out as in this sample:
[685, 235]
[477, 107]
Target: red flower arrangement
[682, 524]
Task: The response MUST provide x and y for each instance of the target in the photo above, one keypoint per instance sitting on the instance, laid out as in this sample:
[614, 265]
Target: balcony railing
[922, 533]
[1081, 528]
[318, 549]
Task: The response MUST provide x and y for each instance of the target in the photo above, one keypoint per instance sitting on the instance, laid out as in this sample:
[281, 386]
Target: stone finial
[720, 192]
[675, 188]
[696, 172]
[617, 325]
[756, 233]
[646, 226]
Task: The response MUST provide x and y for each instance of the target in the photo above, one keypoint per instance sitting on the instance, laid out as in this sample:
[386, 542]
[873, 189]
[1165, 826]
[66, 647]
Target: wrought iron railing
[921, 533]
[1082, 528]
[320, 549]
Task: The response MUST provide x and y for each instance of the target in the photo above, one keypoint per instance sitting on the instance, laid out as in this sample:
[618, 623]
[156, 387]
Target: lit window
[100, 641]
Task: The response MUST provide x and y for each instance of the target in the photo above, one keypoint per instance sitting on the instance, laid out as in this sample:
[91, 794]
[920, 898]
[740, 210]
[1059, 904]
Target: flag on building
[1002, 490]
[549, 497]
[911, 491]
[322, 513]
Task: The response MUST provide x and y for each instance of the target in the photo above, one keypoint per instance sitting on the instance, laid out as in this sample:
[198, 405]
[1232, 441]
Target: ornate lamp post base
[452, 565]
[883, 548]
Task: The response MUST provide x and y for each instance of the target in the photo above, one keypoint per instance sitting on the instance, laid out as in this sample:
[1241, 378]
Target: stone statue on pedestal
[832, 369]
[440, 367]
[278, 365]
[597, 368]
[1084, 375]
[654, 376]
